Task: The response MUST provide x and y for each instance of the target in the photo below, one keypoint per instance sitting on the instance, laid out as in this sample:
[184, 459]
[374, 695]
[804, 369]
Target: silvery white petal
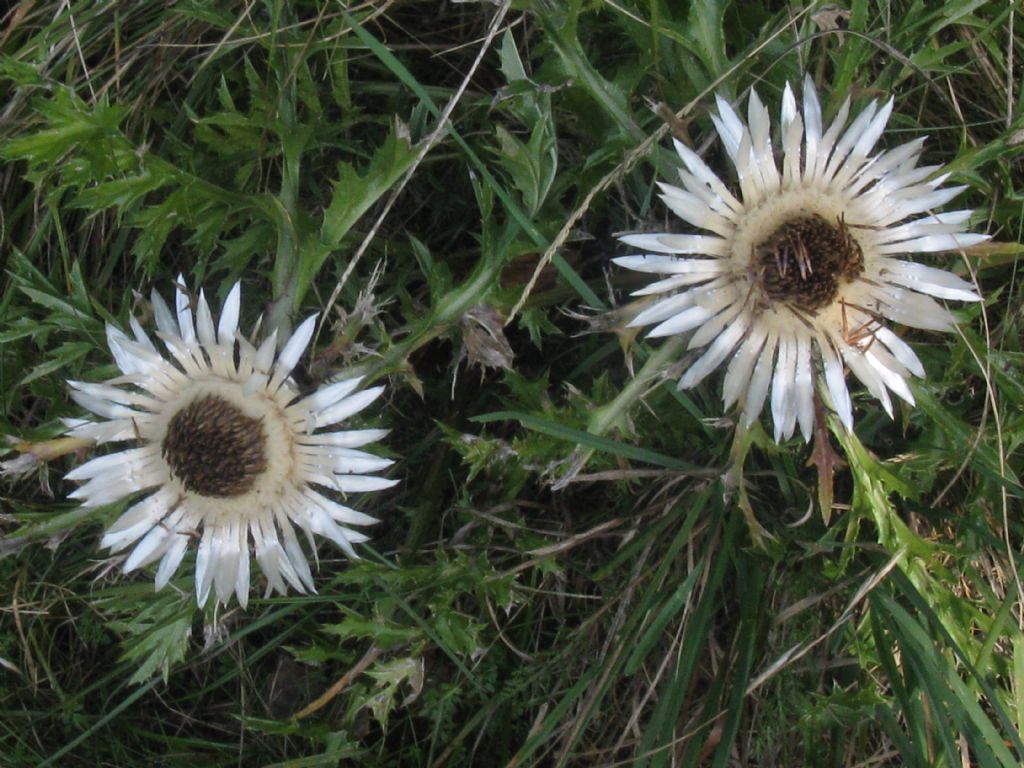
[757, 391]
[288, 358]
[714, 355]
[204, 322]
[229, 315]
[704, 245]
[347, 407]
[183, 304]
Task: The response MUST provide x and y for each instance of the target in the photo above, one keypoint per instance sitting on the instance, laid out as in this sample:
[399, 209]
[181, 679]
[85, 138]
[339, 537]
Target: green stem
[286, 260]
[448, 310]
[49, 527]
[569, 48]
[285, 282]
[608, 415]
[733, 480]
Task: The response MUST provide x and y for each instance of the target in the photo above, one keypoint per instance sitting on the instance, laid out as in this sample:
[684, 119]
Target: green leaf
[390, 675]
[355, 192]
[585, 440]
[383, 633]
[705, 29]
[984, 457]
[157, 636]
[956, 707]
[60, 358]
[122, 193]
[531, 166]
[70, 123]
[654, 633]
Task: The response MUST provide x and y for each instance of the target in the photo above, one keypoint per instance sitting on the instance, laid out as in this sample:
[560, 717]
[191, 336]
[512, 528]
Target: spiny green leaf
[354, 192]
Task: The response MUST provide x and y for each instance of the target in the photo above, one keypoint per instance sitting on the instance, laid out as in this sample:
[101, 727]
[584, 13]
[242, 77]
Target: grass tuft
[574, 571]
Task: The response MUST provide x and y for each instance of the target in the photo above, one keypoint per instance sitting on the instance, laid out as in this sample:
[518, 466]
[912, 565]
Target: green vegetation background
[565, 575]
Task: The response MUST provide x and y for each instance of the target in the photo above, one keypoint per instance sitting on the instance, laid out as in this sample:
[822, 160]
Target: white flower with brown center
[797, 275]
[226, 450]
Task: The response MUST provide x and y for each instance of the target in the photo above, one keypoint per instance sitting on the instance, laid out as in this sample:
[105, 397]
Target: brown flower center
[804, 262]
[214, 449]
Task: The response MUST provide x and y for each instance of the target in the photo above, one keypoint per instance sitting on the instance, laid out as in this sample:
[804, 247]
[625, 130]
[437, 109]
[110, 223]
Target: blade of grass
[587, 440]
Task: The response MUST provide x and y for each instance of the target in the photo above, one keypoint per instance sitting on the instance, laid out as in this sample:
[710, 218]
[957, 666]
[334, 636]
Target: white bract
[225, 449]
[796, 276]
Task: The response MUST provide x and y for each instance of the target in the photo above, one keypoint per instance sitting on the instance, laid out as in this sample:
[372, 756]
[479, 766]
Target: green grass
[566, 575]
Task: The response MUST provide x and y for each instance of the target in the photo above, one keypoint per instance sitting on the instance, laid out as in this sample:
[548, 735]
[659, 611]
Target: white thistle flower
[226, 449]
[797, 276]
